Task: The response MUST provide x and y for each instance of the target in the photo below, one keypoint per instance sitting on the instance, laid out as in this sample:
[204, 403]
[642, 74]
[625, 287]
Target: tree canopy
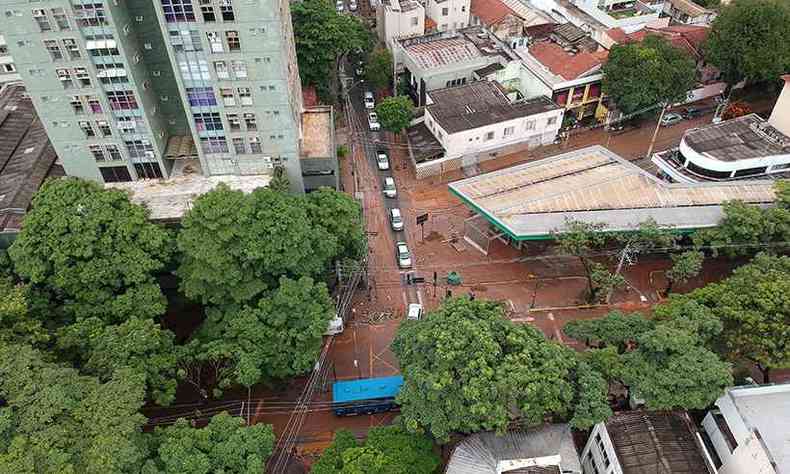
[750, 39]
[395, 113]
[616, 329]
[387, 450]
[224, 445]
[95, 251]
[645, 74]
[468, 369]
[322, 35]
[379, 68]
[341, 216]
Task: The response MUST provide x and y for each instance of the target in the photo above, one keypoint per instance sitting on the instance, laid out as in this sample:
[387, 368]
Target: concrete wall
[392, 23]
[449, 15]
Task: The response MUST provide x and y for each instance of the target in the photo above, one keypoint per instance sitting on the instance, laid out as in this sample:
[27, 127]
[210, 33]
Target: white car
[415, 312]
[370, 102]
[373, 122]
[403, 255]
[382, 161]
[335, 326]
[389, 188]
[340, 6]
[352, 5]
[396, 220]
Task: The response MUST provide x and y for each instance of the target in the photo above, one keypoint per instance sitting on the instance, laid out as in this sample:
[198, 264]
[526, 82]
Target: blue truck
[365, 396]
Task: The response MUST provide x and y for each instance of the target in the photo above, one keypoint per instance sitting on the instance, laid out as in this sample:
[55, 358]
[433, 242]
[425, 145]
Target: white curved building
[744, 147]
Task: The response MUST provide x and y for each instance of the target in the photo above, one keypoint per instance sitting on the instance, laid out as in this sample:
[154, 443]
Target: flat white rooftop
[767, 410]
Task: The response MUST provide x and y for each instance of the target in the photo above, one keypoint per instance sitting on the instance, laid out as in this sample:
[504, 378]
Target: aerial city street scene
[395, 237]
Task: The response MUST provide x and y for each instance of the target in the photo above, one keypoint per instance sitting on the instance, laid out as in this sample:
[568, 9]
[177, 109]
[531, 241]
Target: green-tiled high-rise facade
[127, 88]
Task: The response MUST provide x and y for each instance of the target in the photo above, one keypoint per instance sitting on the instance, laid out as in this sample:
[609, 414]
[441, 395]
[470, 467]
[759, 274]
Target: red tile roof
[568, 66]
[686, 37]
[490, 12]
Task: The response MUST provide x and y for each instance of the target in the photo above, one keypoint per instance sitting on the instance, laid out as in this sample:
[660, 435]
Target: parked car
[692, 112]
[373, 122]
[415, 312]
[389, 187]
[403, 255]
[396, 220]
[382, 161]
[335, 326]
[370, 103]
[340, 6]
[670, 119]
[352, 5]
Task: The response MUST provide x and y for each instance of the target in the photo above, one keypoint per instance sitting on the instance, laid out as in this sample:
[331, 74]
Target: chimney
[780, 117]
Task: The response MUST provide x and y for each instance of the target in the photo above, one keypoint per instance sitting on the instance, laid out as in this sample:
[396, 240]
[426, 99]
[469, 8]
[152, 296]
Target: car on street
[403, 255]
[369, 101]
[335, 326]
[389, 187]
[396, 219]
[670, 119]
[373, 122]
[339, 6]
[415, 312]
[382, 161]
[352, 5]
[692, 112]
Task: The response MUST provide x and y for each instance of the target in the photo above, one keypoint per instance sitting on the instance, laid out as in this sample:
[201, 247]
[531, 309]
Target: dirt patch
[433, 235]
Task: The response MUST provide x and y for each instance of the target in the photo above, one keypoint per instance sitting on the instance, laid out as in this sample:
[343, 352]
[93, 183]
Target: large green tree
[466, 368]
[615, 329]
[278, 337]
[237, 245]
[379, 68]
[395, 113]
[16, 323]
[95, 251]
[754, 308]
[322, 36]
[642, 75]
[57, 421]
[341, 215]
[750, 39]
[581, 239]
[225, 445]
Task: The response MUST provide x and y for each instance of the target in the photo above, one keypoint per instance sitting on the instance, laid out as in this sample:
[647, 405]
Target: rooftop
[447, 48]
[490, 12]
[317, 130]
[686, 37]
[651, 442]
[593, 184]
[738, 139]
[516, 452]
[690, 8]
[766, 410]
[401, 6]
[26, 156]
[423, 145]
[566, 64]
[169, 199]
[479, 104]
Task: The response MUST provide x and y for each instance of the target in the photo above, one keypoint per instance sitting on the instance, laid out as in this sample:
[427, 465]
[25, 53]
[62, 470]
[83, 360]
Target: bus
[365, 396]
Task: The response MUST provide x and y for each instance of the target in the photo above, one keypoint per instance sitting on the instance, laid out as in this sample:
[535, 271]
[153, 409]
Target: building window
[122, 100]
[239, 69]
[82, 76]
[115, 174]
[234, 122]
[53, 49]
[97, 152]
[529, 125]
[76, 105]
[94, 105]
[445, 11]
[245, 95]
[207, 121]
[87, 129]
[131, 124]
[114, 152]
[71, 47]
[10, 68]
[234, 43]
[255, 145]
[64, 76]
[104, 128]
[177, 11]
[214, 41]
[196, 70]
[207, 10]
[104, 45]
[89, 14]
[41, 19]
[201, 96]
[186, 40]
[226, 7]
[139, 149]
[414, 21]
[221, 68]
[238, 146]
[148, 170]
[509, 131]
[250, 123]
[214, 144]
[111, 73]
[228, 99]
[488, 136]
[551, 121]
[59, 14]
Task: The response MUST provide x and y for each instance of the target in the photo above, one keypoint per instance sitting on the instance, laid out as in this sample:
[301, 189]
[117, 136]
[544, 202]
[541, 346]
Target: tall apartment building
[134, 89]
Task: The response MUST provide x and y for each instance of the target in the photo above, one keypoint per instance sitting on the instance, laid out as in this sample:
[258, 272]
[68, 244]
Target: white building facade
[8, 72]
[399, 19]
[449, 15]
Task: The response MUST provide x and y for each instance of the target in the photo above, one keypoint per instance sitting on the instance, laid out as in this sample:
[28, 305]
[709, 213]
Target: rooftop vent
[769, 133]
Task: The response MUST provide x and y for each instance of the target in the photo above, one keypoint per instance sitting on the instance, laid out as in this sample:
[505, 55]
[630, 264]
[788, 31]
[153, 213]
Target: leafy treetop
[395, 113]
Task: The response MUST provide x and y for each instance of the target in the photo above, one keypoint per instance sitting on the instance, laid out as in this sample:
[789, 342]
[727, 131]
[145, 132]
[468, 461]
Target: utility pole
[655, 132]
[625, 255]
